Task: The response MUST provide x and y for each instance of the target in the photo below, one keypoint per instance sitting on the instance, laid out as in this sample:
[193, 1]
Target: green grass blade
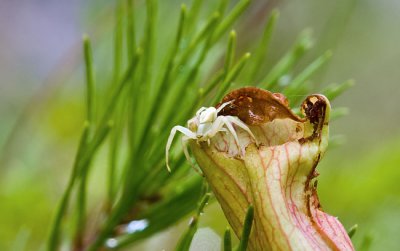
[186, 239]
[227, 22]
[54, 238]
[352, 231]
[222, 6]
[90, 104]
[227, 240]
[118, 36]
[80, 225]
[230, 52]
[182, 87]
[232, 75]
[194, 14]
[248, 222]
[181, 201]
[116, 144]
[171, 57]
[148, 42]
[130, 29]
[261, 51]
[215, 80]
[160, 96]
[334, 90]
[113, 101]
[199, 37]
[91, 148]
[301, 79]
[90, 88]
[221, 75]
[286, 63]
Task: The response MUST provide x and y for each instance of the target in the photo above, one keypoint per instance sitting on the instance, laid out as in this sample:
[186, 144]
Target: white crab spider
[204, 126]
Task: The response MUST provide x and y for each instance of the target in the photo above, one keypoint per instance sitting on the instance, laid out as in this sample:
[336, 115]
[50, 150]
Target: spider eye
[208, 115]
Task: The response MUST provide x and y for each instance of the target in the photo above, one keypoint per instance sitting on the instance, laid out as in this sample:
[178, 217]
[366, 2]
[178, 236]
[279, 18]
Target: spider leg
[217, 126]
[228, 125]
[187, 156]
[239, 123]
[171, 137]
[223, 105]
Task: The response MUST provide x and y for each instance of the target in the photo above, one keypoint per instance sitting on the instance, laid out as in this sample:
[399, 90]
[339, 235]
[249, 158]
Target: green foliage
[186, 239]
[153, 76]
[227, 240]
[352, 231]
[248, 222]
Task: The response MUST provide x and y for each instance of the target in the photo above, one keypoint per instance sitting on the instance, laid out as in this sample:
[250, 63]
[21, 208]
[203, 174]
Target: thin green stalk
[189, 81]
[110, 110]
[128, 197]
[118, 34]
[186, 239]
[80, 226]
[302, 44]
[333, 29]
[220, 76]
[115, 146]
[223, 87]
[334, 90]
[172, 55]
[90, 97]
[160, 96]
[130, 192]
[113, 101]
[301, 78]
[157, 175]
[112, 220]
[54, 238]
[215, 80]
[92, 147]
[239, 8]
[90, 89]
[81, 195]
[227, 240]
[116, 134]
[222, 6]
[194, 14]
[248, 222]
[130, 29]
[232, 75]
[148, 42]
[230, 52]
[261, 51]
[181, 200]
[198, 38]
[352, 231]
[182, 87]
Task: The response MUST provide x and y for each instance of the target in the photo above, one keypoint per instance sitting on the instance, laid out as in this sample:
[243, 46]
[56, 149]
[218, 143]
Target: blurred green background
[41, 108]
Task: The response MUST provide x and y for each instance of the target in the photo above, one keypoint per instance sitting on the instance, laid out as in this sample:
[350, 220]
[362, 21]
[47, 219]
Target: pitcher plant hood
[275, 172]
